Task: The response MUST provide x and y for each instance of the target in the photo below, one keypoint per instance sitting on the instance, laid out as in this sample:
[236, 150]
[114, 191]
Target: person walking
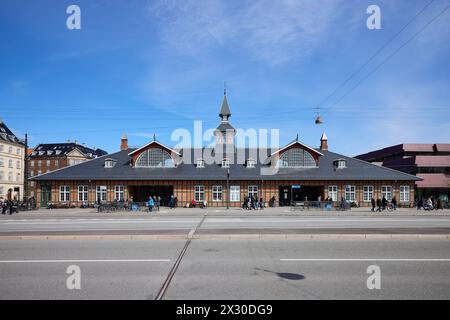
[394, 203]
[171, 202]
[373, 204]
[378, 205]
[383, 203]
[150, 204]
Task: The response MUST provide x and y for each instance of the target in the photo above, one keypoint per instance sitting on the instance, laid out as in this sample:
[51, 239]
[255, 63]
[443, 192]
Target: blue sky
[144, 67]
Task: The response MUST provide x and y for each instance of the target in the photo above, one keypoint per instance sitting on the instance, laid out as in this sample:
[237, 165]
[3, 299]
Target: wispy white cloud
[272, 31]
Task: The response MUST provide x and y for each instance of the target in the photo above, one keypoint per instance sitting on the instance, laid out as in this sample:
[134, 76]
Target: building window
[199, 193]
[39, 163]
[18, 177]
[349, 193]
[39, 172]
[386, 192]
[10, 150]
[48, 163]
[57, 163]
[225, 163]
[340, 163]
[1, 148]
[1, 162]
[32, 163]
[110, 163]
[31, 183]
[235, 193]
[200, 163]
[155, 157]
[297, 157]
[10, 163]
[404, 193]
[250, 163]
[368, 193]
[253, 191]
[332, 193]
[216, 193]
[118, 193]
[18, 164]
[10, 176]
[83, 193]
[1, 191]
[101, 193]
[64, 193]
[18, 151]
[1, 175]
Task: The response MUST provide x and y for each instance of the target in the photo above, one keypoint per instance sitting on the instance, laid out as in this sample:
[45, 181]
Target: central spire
[225, 132]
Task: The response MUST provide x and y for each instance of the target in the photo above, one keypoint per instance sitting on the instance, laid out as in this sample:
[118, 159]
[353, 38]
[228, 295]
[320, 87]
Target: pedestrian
[261, 203]
[171, 202]
[373, 204]
[150, 204]
[439, 204]
[394, 203]
[378, 205]
[383, 203]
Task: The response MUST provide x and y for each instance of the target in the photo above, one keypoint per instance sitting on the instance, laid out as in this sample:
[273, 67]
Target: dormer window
[340, 163]
[225, 163]
[250, 163]
[200, 163]
[110, 163]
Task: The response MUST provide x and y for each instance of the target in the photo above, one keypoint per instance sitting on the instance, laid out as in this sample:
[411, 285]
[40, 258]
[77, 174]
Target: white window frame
[199, 193]
[18, 164]
[101, 190]
[83, 193]
[119, 192]
[385, 193]
[225, 163]
[235, 193]
[200, 163]
[64, 193]
[10, 163]
[349, 193]
[217, 193]
[2, 163]
[404, 193]
[250, 163]
[253, 190]
[333, 192]
[368, 192]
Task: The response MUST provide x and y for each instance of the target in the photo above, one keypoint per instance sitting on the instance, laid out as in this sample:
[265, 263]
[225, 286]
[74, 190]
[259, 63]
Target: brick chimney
[124, 142]
[324, 142]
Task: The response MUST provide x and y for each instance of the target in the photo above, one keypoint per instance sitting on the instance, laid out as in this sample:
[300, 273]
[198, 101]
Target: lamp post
[228, 188]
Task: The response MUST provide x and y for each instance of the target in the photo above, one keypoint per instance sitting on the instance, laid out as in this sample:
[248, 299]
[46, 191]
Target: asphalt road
[230, 269]
[218, 224]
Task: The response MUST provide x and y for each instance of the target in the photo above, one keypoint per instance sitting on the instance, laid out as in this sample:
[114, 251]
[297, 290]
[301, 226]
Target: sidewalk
[280, 211]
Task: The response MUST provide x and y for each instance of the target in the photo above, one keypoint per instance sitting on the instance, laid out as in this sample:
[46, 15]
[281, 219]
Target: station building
[294, 172]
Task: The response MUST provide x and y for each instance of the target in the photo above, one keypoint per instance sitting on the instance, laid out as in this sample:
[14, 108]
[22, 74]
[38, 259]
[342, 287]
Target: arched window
[297, 157]
[155, 157]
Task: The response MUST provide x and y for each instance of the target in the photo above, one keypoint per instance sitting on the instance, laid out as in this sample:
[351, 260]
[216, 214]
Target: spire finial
[224, 88]
[154, 137]
[296, 139]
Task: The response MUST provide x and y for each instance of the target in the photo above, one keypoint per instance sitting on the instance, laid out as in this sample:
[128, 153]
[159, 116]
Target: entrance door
[46, 195]
[285, 195]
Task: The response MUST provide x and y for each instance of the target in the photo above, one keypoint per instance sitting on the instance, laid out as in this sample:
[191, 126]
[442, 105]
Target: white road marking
[75, 261]
[368, 259]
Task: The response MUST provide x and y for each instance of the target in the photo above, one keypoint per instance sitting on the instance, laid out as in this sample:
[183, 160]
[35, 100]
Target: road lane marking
[367, 259]
[75, 261]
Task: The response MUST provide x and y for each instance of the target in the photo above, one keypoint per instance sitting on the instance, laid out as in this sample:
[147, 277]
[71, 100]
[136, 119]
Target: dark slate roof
[225, 109]
[95, 170]
[7, 135]
[224, 126]
[62, 149]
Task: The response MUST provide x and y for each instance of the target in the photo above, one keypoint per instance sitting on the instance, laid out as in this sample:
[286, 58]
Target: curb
[237, 237]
